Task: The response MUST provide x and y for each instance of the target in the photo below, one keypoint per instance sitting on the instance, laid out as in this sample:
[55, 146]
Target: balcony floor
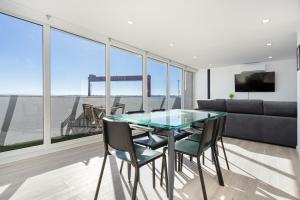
[258, 171]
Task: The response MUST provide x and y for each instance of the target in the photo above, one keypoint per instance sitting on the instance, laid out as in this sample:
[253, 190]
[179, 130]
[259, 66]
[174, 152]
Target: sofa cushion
[280, 108]
[212, 105]
[220, 105]
[206, 105]
[245, 106]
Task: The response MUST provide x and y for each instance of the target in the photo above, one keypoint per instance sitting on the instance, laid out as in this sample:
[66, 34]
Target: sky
[73, 59]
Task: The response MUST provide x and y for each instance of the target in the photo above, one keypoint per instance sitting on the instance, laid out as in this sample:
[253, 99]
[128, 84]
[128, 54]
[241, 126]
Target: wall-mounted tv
[255, 82]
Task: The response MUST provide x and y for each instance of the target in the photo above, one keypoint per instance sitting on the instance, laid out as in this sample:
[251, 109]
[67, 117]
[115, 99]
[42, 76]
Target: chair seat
[198, 125]
[177, 136]
[189, 147]
[143, 154]
[151, 141]
[195, 137]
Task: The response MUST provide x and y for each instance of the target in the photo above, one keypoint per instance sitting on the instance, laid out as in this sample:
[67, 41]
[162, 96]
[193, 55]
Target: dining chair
[220, 131]
[94, 120]
[116, 107]
[195, 149]
[118, 142]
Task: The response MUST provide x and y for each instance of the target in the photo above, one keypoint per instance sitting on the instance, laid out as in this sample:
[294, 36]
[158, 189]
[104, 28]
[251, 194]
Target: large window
[188, 90]
[157, 84]
[126, 70]
[77, 78]
[21, 80]
[175, 87]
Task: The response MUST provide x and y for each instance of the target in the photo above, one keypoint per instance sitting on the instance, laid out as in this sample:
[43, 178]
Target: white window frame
[47, 22]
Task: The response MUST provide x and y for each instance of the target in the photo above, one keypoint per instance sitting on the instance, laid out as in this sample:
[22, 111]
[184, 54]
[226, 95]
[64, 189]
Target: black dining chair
[118, 142]
[220, 130]
[195, 149]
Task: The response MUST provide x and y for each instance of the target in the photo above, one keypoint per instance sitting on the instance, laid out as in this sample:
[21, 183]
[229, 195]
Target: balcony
[21, 117]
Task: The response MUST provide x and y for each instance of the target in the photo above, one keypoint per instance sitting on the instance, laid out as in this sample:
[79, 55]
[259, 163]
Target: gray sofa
[263, 121]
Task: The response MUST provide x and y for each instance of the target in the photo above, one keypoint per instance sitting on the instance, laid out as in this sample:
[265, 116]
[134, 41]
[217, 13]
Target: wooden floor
[258, 171]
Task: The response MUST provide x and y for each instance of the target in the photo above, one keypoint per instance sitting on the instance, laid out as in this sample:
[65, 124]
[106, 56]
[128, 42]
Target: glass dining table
[172, 120]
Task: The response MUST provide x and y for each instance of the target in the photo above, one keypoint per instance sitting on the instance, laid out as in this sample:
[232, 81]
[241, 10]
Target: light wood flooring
[258, 171]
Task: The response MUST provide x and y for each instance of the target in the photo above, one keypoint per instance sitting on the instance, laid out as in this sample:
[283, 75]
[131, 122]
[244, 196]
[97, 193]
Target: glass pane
[175, 87]
[188, 90]
[126, 81]
[77, 78]
[21, 80]
[157, 84]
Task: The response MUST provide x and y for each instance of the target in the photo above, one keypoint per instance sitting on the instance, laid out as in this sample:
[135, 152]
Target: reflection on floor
[258, 171]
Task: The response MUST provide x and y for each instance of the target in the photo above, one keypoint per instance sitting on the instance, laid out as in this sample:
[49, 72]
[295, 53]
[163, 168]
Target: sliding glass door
[21, 83]
[126, 81]
[175, 85]
[157, 84]
[77, 79]
[188, 90]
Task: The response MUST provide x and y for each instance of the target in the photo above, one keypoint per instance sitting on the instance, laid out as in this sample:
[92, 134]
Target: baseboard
[8, 158]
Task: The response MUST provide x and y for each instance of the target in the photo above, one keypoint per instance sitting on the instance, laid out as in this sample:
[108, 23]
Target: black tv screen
[255, 82]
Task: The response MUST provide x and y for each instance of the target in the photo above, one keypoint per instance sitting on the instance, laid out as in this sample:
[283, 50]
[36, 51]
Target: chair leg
[203, 158]
[201, 179]
[225, 154]
[181, 162]
[121, 168]
[100, 177]
[191, 158]
[136, 180]
[161, 171]
[166, 173]
[129, 171]
[176, 161]
[153, 173]
[217, 166]
[217, 149]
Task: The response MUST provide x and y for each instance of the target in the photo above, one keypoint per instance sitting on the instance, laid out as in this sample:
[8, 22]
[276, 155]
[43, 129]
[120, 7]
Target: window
[126, 80]
[175, 87]
[21, 80]
[157, 84]
[77, 78]
[188, 90]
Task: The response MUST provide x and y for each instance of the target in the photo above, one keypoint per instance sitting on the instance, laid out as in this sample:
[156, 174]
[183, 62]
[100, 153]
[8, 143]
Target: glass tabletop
[171, 119]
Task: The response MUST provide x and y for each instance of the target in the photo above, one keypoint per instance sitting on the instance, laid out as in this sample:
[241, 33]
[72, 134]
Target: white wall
[222, 82]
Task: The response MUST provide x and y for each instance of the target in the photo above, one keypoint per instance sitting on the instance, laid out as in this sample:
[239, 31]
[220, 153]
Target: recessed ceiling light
[269, 44]
[209, 64]
[194, 57]
[130, 22]
[265, 21]
[270, 57]
[171, 45]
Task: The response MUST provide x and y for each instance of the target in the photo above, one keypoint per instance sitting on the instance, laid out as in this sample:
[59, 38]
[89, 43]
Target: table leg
[171, 163]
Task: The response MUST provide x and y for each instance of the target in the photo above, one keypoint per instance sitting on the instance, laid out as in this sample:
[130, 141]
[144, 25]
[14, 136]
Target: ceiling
[217, 32]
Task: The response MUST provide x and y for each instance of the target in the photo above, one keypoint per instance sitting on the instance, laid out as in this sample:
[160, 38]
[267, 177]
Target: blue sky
[73, 58]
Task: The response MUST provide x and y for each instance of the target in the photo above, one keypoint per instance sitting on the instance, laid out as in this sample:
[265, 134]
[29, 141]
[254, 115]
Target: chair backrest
[117, 135]
[88, 112]
[157, 110]
[135, 112]
[221, 126]
[208, 135]
[116, 107]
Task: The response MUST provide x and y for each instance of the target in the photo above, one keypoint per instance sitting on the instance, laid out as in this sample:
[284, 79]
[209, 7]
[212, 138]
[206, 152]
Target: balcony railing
[21, 117]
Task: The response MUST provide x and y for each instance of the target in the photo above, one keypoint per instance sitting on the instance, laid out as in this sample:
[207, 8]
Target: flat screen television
[255, 82]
